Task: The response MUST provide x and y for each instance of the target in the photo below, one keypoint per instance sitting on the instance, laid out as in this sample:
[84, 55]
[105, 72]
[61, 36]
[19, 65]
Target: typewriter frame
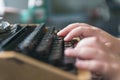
[16, 66]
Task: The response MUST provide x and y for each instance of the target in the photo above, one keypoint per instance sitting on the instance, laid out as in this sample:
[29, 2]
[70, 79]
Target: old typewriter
[35, 52]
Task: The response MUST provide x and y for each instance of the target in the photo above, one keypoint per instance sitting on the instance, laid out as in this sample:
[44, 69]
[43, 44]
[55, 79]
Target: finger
[87, 53]
[88, 42]
[90, 48]
[91, 65]
[71, 52]
[81, 32]
[67, 29]
[82, 53]
[93, 42]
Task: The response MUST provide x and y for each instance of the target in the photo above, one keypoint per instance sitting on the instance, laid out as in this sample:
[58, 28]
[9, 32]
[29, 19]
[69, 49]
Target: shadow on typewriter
[35, 52]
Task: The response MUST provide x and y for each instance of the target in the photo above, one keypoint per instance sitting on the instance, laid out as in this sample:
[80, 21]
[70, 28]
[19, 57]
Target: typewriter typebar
[35, 52]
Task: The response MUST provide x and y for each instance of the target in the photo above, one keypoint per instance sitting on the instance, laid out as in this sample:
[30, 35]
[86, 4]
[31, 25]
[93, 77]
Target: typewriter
[35, 52]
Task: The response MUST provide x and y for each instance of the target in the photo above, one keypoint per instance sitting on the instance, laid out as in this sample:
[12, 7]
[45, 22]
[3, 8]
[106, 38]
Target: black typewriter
[38, 42]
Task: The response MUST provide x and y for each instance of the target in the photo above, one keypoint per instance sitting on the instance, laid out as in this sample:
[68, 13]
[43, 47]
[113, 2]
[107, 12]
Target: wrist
[115, 76]
[114, 73]
[117, 46]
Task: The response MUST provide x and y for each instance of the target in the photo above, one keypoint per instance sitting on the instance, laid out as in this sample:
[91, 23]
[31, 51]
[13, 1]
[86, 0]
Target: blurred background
[104, 14]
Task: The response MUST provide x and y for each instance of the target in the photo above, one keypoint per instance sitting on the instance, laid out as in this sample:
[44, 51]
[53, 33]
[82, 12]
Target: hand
[83, 30]
[92, 55]
[95, 51]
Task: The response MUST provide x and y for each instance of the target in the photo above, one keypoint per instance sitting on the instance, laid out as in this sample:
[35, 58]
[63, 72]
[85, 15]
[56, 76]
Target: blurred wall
[20, 4]
[14, 17]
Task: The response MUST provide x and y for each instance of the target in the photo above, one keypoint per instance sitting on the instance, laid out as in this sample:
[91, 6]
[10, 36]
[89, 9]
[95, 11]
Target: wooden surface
[16, 66]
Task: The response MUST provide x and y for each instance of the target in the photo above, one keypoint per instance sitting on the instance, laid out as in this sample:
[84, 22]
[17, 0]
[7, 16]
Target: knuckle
[96, 30]
[83, 24]
[74, 24]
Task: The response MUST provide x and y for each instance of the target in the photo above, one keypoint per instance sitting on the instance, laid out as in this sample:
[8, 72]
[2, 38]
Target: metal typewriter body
[35, 52]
